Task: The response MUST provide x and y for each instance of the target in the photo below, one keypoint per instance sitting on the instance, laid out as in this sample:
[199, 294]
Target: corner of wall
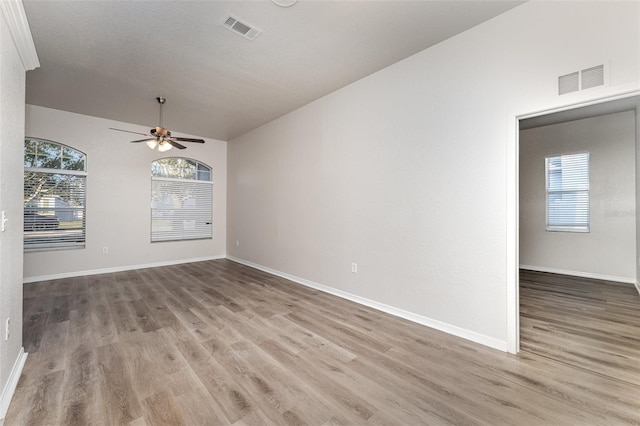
[18, 55]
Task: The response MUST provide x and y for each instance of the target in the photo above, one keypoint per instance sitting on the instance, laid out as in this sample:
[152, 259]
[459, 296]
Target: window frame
[182, 214]
[578, 226]
[48, 242]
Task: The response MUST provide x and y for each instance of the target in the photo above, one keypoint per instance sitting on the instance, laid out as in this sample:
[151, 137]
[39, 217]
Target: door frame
[513, 207]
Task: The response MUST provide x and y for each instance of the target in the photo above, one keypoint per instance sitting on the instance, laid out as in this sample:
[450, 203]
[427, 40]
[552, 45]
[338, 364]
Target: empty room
[319, 212]
[578, 237]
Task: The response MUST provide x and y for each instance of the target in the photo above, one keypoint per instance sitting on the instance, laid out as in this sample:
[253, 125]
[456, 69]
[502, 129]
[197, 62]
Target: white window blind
[54, 212]
[181, 209]
[181, 200]
[567, 188]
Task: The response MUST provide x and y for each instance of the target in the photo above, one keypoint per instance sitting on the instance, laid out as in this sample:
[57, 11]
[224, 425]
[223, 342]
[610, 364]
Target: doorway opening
[576, 296]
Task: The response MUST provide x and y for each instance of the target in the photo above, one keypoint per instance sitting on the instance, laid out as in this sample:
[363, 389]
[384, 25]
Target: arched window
[55, 177]
[181, 200]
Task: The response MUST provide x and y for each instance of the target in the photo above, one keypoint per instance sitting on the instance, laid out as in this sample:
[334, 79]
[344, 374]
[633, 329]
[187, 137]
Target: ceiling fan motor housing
[161, 131]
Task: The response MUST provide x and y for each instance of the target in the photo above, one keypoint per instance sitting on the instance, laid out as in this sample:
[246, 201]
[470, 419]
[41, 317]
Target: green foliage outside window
[44, 154]
[180, 168]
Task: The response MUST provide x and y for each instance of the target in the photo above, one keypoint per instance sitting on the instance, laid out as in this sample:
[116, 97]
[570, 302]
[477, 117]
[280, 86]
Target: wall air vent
[569, 83]
[242, 28]
[581, 80]
[592, 77]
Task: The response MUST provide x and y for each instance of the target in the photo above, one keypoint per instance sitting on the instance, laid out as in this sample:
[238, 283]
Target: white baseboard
[432, 323]
[117, 269]
[579, 274]
[12, 382]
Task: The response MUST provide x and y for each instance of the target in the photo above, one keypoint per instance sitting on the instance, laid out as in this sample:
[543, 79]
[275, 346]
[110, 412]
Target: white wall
[12, 88]
[118, 197]
[608, 250]
[407, 172]
[637, 282]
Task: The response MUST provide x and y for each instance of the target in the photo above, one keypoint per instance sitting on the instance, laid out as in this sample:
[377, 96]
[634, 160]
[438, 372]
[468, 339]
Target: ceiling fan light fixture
[284, 3]
[152, 144]
[164, 146]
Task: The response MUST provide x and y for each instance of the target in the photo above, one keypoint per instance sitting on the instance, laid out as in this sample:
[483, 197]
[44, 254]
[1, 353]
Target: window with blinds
[55, 188]
[568, 192]
[181, 200]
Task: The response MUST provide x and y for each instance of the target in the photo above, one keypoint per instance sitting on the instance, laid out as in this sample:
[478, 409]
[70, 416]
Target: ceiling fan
[161, 137]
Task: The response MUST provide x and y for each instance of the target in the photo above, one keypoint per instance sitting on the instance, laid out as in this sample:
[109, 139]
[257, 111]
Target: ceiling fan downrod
[161, 101]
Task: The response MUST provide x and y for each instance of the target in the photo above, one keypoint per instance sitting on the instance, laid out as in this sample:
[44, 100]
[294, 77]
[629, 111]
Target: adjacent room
[578, 237]
[319, 212]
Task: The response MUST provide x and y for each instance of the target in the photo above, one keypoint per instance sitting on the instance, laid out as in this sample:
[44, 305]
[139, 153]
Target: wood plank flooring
[589, 324]
[215, 343]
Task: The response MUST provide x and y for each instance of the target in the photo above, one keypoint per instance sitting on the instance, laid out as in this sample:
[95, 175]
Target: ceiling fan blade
[129, 131]
[187, 139]
[176, 144]
[144, 140]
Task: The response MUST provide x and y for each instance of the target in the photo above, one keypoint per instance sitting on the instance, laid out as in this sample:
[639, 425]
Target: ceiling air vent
[242, 28]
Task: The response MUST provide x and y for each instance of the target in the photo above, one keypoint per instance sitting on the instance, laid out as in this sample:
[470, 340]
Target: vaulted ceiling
[112, 58]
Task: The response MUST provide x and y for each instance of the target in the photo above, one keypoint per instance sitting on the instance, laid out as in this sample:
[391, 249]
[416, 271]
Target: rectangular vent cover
[569, 83]
[242, 28]
[592, 77]
[581, 80]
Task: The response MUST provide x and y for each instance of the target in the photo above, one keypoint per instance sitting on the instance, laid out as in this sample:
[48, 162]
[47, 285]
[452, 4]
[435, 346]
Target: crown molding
[16, 18]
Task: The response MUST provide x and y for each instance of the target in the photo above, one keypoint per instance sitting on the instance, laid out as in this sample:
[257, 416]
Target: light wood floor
[219, 343]
[586, 323]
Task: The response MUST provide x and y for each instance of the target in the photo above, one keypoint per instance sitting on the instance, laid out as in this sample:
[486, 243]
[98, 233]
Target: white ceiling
[112, 58]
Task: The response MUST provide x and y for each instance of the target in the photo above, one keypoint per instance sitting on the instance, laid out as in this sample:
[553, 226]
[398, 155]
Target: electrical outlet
[354, 268]
[7, 329]
[105, 250]
[237, 243]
